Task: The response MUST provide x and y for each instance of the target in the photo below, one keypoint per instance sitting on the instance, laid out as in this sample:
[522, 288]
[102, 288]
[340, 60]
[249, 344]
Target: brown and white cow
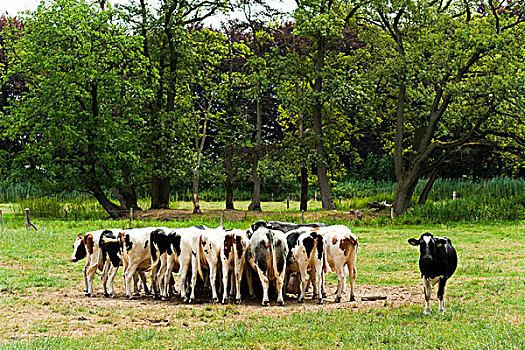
[341, 254]
[233, 257]
[207, 255]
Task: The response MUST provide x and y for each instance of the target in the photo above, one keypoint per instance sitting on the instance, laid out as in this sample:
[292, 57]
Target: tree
[323, 24]
[12, 86]
[78, 121]
[445, 71]
[168, 46]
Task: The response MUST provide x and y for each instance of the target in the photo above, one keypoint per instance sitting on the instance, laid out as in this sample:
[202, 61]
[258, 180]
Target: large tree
[443, 71]
[78, 121]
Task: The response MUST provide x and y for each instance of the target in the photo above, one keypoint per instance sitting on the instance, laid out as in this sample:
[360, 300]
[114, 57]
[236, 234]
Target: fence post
[130, 216]
[28, 221]
[66, 214]
[302, 217]
[2, 219]
[340, 199]
[315, 197]
[454, 195]
[287, 203]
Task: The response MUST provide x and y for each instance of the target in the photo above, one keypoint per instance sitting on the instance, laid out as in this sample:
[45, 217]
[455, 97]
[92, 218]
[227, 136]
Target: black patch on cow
[280, 255]
[292, 239]
[238, 243]
[128, 243]
[159, 241]
[200, 227]
[175, 242]
[110, 250]
[261, 255]
[320, 247]
[146, 244]
[308, 244]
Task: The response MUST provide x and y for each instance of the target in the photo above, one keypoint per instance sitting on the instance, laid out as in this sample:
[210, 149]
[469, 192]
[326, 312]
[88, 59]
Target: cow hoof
[280, 303]
[325, 295]
[106, 295]
[91, 295]
[266, 303]
[320, 301]
[131, 297]
[190, 301]
[337, 299]
[163, 298]
[352, 298]
[214, 300]
[300, 301]
[238, 301]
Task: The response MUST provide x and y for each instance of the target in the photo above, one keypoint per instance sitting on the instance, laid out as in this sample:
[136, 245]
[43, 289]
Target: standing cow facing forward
[437, 262]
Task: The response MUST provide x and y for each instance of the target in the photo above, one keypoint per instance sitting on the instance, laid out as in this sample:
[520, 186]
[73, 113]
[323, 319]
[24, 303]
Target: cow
[267, 255]
[341, 255]
[136, 256]
[306, 256]
[233, 257]
[207, 255]
[89, 247]
[437, 262]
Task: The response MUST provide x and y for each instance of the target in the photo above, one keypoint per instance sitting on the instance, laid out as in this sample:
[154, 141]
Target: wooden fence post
[2, 219]
[130, 216]
[28, 226]
[302, 217]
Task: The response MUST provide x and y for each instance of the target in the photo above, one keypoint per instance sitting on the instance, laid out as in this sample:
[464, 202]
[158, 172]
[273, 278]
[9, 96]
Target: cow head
[79, 249]
[428, 245]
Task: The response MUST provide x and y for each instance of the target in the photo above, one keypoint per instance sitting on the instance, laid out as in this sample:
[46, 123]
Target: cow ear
[413, 241]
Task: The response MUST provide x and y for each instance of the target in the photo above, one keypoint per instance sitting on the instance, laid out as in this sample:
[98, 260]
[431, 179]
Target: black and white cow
[267, 255]
[306, 251]
[437, 262]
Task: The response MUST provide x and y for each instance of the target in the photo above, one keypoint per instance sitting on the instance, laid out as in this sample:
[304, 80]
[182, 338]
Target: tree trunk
[322, 176]
[160, 192]
[404, 191]
[228, 169]
[430, 182]
[304, 189]
[196, 175]
[111, 208]
[255, 205]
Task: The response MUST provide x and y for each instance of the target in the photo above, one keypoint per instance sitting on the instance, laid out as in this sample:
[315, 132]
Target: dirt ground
[69, 313]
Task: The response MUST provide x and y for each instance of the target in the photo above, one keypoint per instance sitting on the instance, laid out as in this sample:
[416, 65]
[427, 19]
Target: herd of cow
[291, 256]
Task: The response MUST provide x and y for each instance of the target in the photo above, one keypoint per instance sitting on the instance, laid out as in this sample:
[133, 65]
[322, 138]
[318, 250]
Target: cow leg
[265, 286]
[105, 273]
[136, 289]
[225, 275]
[193, 278]
[427, 285]
[352, 278]
[318, 285]
[84, 271]
[160, 276]
[111, 277]
[303, 275]
[213, 278]
[248, 272]
[154, 282]
[166, 278]
[341, 277]
[183, 272]
[238, 268]
[128, 277]
[441, 293]
[142, 276]
[279, 281]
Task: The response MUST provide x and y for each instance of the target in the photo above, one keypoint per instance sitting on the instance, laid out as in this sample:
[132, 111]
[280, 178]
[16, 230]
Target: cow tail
[272, 274]
[198, 253]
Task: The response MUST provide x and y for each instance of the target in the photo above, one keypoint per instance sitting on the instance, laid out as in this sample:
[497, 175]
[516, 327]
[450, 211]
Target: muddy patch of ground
[69, 313]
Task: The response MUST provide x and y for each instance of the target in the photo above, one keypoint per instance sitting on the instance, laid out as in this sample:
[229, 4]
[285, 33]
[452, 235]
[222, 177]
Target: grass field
[42, 305]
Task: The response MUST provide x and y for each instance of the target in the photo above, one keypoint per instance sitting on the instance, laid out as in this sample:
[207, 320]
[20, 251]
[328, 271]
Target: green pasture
[484, 300]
